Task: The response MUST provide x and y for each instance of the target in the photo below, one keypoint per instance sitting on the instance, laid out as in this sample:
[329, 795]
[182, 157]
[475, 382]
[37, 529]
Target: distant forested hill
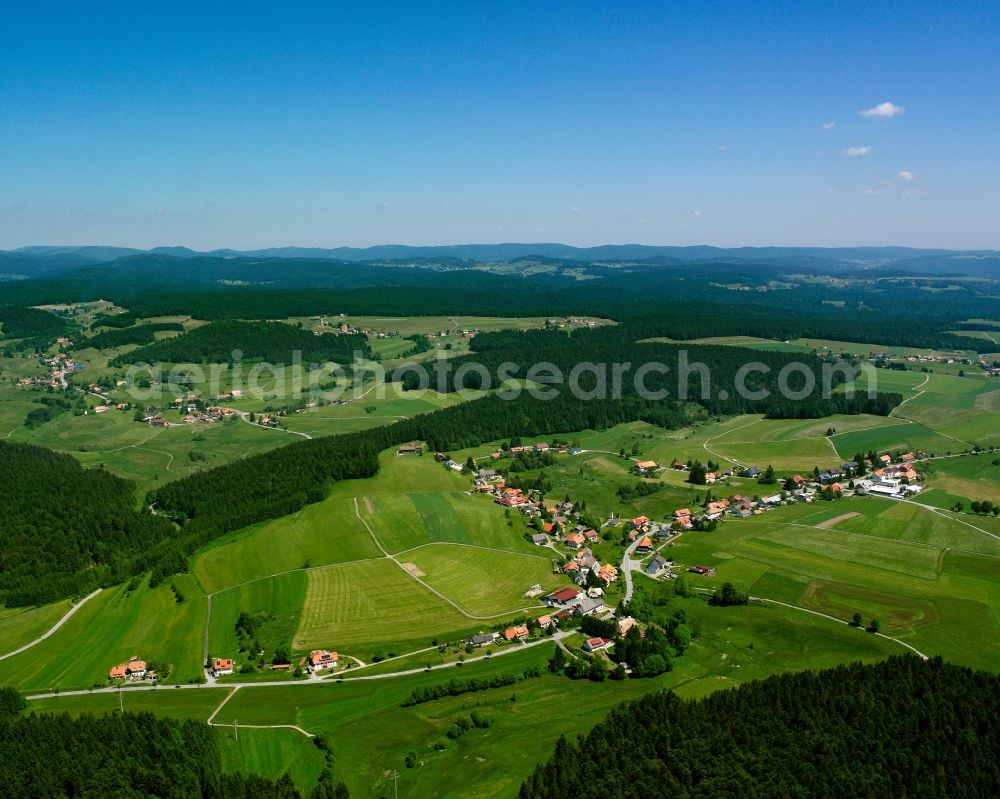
[900, 728]
[119, 756]
[65, 530]
[268, 341]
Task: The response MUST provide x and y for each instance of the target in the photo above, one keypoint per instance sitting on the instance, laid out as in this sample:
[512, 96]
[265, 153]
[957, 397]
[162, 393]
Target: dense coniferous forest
[31, 324]
[902, 727]
[119, 756]
[65, 530]
[267, 341]
[118, 337]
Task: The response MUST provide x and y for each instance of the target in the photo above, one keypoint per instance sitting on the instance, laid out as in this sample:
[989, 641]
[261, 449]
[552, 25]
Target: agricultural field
[320, 534]
[361, 608]
[931, 580]
[18, 626]
[280, 597]
[483, 581]
[109, 629]
[272, 753]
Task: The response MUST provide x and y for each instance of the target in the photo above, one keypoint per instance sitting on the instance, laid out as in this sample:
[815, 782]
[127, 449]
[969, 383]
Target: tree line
[900, 727]
[123, 756]
[265, 341]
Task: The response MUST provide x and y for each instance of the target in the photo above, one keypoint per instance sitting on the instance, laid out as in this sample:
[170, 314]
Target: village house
[625, 624]
[518, 633]
[607, 574]
[410, 449]
[588, 606]
[222, 666]
[646, 467]
[574, 541]
[596, 644]
[539, 539]
[656, 565]
[483, 639]
[645, 545]
[544, 622]
[321, 659]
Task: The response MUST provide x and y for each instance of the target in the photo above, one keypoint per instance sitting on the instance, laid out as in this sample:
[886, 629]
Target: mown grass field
[483, 581]
[169, 702]
[281, 596]
[319, 534]
[906, 565]
[359, 608]
[18, 626]
[109, 629]
[272, 753]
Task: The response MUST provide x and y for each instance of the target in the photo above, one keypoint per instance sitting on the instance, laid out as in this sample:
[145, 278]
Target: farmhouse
[645, 545]
[483, 639]
[596, 644]
[645, 467]
[702, 570]
[222, 667]
[118, 672]
[564, 596]
[625, 624]
[411, 449]
[539, 539]
[321, 659]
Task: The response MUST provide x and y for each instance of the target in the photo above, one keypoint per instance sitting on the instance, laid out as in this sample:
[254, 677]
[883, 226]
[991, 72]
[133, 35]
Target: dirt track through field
[843, 517]
[369, 507]
[413, 569]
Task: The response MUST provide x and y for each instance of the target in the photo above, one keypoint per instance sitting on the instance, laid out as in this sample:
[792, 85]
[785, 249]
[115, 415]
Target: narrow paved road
[326, 681]
[54, 627]
[627, 565]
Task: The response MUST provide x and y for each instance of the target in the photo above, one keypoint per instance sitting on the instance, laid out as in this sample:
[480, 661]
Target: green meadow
[18, 626]
[364, 607]
[109, 629]
[281, 597]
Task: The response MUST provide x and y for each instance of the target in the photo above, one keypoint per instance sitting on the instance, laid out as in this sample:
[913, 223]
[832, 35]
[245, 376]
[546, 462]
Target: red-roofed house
[596, 644]
[222, 666]
[518, 633]
[645, 545]
[321, 659]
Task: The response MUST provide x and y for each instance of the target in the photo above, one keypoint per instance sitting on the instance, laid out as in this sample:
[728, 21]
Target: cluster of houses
[575, 602]
[133, 671]
[58, 365]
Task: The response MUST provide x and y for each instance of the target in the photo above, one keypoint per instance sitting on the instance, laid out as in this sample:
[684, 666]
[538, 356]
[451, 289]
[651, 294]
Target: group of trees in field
[900, 727]
[123, 756]
[65, 529]
[274, 342]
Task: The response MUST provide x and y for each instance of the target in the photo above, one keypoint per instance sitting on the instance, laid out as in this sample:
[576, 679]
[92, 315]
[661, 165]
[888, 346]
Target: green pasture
[484, 581]
[281, 597]
[363, 607]
[892, 560]
[319, 534]
[18, 626]
[272, 753]
[109, 629]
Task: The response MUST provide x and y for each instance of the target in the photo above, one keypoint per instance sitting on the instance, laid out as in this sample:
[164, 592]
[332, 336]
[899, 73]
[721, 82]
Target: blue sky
[252, 125]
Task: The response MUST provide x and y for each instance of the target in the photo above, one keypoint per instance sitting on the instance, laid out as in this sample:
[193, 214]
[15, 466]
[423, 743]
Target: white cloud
[828, 125]
[873, 191]
[884, 110]
[723, 148]
[698, 213]
[575, 208]
[856, 151]
[905, 174]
